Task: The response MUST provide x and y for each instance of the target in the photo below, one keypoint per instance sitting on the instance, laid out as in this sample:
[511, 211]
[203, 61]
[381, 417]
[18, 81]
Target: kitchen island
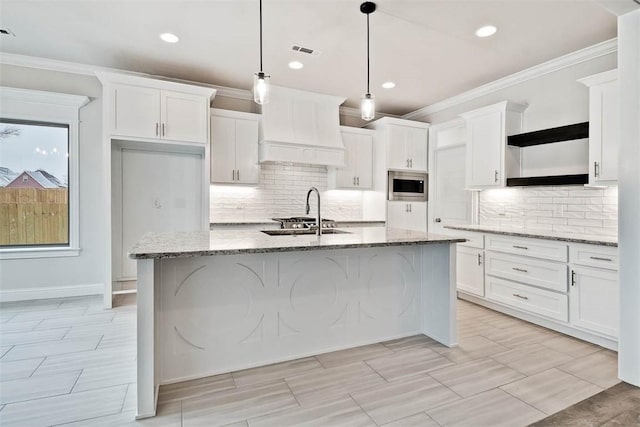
[224, 300]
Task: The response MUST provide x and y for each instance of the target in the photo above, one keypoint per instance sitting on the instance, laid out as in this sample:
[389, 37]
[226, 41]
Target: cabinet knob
[437, 220]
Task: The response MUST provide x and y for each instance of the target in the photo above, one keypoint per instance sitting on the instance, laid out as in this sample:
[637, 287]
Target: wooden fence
[34, 216]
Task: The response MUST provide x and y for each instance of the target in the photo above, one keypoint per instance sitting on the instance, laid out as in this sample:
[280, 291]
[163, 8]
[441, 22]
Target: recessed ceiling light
[169, 38]
[296, 65]
[486, 31]
[388, 85]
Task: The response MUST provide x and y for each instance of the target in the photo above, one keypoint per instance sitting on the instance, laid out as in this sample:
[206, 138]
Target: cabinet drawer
[474, 240]
[534, 300]
[594, 256]
[536, 248]
[546, 274]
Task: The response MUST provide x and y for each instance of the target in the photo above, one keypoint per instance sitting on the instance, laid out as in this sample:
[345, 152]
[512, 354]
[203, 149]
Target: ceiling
[428, 48]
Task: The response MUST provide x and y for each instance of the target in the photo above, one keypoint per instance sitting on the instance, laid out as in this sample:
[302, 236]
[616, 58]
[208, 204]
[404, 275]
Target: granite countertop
[271, 222]
[522, 232]
[229, 242]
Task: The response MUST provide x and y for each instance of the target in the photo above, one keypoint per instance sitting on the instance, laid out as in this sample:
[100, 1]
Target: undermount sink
[301, 232]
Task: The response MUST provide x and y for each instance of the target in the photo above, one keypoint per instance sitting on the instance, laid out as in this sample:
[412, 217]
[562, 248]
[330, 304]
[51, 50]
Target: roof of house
[42, 177]
[6, 176]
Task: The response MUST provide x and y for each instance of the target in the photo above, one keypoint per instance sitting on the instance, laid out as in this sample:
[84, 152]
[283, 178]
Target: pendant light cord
[368, 60]
[261, 36]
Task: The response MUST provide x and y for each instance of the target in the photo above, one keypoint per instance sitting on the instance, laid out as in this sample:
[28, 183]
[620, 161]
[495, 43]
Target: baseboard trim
[51, 292]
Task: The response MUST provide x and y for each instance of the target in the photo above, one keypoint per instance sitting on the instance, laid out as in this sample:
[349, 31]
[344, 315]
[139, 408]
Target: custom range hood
[301, 127]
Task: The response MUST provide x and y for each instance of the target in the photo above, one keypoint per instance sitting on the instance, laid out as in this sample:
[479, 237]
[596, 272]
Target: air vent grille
[306, 50]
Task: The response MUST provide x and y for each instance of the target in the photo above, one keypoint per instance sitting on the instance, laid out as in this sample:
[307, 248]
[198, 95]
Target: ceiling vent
[306, 50]
[6, 32]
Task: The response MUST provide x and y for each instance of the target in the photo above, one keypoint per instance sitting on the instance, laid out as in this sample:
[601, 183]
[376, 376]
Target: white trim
[108, 78]
[355, 112]
[573, 58]
[51, 292]
[24, 104]
[600, 78]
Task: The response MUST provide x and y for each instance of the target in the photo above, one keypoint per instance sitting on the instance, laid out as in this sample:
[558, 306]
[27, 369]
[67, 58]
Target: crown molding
[355, 112]
[573, 58]
[91, 70]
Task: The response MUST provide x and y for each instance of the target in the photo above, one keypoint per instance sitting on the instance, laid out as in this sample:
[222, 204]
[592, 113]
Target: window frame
[50, 107]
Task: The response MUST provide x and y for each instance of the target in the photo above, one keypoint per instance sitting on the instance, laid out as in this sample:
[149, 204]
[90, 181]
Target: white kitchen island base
[205, 315]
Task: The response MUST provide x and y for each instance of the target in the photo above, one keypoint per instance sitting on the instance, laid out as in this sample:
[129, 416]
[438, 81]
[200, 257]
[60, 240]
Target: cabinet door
[364, 162]
[396, 148]
[416, 147]
[247, 166]
[417, 216]
[594, 298]
[346, 176]
[398, 215]
[470, 270]
[604, 125]
[184, 117]
[135, 111]
[223, 149]
[484, 152]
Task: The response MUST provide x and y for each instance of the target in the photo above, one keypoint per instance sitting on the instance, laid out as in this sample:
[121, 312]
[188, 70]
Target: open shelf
[549, 136]
[579, 179]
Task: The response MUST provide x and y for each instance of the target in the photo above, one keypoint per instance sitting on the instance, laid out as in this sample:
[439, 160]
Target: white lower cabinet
[595, 300]
[470, 270]
[407, 215]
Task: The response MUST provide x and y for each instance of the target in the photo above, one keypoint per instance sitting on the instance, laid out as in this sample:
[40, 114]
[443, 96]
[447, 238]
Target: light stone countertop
[231, 242]
[536, 234]
[272, 222]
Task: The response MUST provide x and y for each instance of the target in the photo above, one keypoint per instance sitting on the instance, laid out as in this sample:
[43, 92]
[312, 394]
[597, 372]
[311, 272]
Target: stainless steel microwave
[408, 186]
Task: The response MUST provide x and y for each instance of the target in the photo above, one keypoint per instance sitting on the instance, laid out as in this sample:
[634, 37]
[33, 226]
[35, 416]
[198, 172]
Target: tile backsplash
[282, 193]
[571, 209]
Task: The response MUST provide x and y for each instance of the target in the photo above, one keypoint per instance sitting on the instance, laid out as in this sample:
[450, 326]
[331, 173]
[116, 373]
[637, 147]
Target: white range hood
[301, 127]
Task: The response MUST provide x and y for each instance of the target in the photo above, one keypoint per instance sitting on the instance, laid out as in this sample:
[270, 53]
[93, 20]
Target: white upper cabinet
[487, 131]
[405, 143]
[234, 147]
[144, 108]
[604, 127]
[357, 172]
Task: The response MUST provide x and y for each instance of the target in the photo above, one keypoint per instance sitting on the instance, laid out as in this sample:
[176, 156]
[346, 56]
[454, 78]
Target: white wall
[629, 178]
[84, 274]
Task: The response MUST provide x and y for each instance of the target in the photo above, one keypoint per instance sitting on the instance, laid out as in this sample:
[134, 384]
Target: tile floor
[69, 362]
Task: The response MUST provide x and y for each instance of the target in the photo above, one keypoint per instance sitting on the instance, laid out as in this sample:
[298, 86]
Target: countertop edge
[477, 229]
[168, 255]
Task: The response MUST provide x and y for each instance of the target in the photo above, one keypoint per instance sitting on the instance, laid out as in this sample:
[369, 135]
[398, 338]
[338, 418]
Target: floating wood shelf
[578, 179]
[549, 136]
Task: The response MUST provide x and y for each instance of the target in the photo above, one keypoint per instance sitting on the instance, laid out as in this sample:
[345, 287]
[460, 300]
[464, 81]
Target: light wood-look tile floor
[69, 362]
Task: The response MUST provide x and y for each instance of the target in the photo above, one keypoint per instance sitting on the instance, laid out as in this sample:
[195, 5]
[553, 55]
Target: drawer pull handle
[522, 270]
[597, 258]
[520, 247]
[520, 296]
[479, 259]
[573, 278]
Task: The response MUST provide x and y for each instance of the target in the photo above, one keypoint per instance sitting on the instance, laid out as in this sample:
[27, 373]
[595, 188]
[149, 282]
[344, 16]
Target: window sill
[52, 252]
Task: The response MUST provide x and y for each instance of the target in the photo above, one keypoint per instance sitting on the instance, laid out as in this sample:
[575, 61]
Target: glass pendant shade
[368, 107]
[260, 88]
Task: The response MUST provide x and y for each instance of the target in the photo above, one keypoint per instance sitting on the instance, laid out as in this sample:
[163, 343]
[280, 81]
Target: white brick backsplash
[282, 193]
[570, 209]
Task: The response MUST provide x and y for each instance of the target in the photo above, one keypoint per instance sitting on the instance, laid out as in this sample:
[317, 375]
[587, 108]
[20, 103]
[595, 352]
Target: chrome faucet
[318, 218]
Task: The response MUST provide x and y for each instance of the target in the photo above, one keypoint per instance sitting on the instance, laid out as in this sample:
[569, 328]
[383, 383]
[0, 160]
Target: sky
[37, 147]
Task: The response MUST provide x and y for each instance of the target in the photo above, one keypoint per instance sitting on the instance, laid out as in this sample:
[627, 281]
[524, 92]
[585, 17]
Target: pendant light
[260, 79]
[368, 101]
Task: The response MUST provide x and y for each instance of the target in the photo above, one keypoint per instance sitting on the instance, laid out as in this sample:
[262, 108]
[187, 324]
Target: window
[39, 198]
[34, 183]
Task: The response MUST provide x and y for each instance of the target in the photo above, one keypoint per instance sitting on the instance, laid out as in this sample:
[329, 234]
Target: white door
[223, 149]
[485, 147]
[416, 147]
[417, 216]
[397, 215]
[449, 201]
[136, 111]
[346, 176]
[594, 298]
[246, 152]
[470, 270]
[364, 162]
[184, 117]
[604, 131]
[161, 191]
[396, 148]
